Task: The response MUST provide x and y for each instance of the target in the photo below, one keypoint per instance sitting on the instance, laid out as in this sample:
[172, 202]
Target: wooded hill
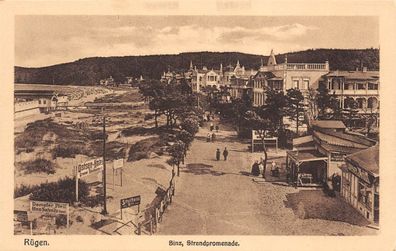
[89, 71]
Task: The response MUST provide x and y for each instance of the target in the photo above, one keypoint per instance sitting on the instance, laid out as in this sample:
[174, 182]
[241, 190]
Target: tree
[274, 108]
[262, 126]
[350, 106]
[327, 104]
[177, 152]
[239, 108]
[295, 106]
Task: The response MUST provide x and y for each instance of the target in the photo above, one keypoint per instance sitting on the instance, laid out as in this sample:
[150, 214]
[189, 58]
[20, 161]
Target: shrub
[93, 201]
[62, 190]
[142, 148]
[68, 150]
[79, 219]
[23, 190]
[39, 165]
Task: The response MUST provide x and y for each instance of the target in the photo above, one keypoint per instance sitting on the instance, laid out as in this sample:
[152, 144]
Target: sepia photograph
[196, 125]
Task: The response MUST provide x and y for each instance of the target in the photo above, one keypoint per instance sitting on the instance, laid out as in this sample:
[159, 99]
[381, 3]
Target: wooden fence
[156, 212]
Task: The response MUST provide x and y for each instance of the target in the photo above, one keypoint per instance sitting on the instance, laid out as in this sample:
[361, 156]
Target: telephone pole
[104, 212]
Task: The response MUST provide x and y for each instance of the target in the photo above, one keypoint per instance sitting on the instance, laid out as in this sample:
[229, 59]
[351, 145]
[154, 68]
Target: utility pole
[104, 212]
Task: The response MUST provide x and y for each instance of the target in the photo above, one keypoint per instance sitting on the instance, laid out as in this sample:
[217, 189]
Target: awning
[306, 156]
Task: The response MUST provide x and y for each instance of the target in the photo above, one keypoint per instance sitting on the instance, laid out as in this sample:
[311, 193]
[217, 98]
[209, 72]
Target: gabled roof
[367, 159]
[330, 124]
[362, 75]
[354, 138]
[266, 74]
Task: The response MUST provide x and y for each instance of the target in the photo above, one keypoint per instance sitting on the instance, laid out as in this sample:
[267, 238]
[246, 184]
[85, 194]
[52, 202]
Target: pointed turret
[238, 65]
[261, 65]
[221, 67]
[191, 65]
[272, 59]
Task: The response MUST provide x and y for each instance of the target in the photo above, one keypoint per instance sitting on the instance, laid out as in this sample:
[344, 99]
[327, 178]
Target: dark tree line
[89, 71]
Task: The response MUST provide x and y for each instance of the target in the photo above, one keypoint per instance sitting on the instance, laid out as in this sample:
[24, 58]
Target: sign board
[89, 167]
[130, 202]
[48, 207]
[118, 163]
[337, 156]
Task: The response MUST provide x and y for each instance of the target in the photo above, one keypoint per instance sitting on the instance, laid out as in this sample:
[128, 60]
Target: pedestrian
[225, 153]
[255, 169]
[208, 138]
[211, 127]
[213, 137]
[208, 117]
[217, 128]
[218, 154]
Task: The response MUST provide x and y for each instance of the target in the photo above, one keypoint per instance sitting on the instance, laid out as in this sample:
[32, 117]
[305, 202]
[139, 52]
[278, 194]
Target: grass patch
[131, 96]
[38, 166]
[62, 190]
[143, 148]
[23, 190]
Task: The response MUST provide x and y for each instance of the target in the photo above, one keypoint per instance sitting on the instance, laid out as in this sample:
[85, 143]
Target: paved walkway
[219, 197]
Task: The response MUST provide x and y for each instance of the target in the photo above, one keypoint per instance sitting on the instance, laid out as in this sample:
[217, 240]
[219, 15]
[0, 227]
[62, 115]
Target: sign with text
[118, 163]
[49, 207]
[89, 167]
[335, 156]
[130, 202]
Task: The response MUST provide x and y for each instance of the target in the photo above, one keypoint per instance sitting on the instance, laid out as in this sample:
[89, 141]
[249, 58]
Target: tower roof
[272, 59]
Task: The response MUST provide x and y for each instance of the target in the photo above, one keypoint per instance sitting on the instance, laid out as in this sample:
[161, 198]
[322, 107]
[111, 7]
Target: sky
[48, 40]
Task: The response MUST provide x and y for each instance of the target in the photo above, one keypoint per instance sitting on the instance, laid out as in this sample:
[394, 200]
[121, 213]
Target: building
[231, 77]
[360, 182]
[287, 76]
[34, 101]
[362, 86]
[107, 81]
[322, 154]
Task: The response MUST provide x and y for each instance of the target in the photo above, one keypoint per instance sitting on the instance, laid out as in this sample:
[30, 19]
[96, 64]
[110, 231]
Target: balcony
[355, 92]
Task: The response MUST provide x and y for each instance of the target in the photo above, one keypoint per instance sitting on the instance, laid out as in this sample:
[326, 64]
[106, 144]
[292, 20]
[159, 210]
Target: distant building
[362, 86]
[360, 182]
[286, 76]
[231, 77]
[107, 81]
[326, 150]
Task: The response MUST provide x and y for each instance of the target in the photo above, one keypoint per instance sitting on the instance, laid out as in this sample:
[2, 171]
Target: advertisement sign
[89, 167]
[47, 207]
[337, 156]
[130, 202]
[118, 163]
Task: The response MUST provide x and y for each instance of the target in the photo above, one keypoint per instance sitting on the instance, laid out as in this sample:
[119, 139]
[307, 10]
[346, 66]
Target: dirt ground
[221, 198]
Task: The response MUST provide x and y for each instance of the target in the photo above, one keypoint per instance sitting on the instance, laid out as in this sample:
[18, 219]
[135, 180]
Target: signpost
[130, 202]
[87, 168]
[118, 164]
[50, 208]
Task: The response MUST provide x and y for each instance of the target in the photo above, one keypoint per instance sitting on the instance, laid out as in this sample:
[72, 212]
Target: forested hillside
[89, 71]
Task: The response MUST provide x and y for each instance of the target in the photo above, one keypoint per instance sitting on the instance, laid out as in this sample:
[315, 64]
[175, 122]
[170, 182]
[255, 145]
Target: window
[296, 84]
[361, 86]
[44, 102]
[372, 86]
[305, 84]
[39, 102]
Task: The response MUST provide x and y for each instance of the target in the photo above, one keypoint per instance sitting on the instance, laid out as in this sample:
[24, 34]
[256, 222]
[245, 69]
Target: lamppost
[104, 212]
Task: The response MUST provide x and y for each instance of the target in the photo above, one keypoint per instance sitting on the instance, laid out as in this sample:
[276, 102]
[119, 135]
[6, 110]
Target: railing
[297, 66]
[157, 211]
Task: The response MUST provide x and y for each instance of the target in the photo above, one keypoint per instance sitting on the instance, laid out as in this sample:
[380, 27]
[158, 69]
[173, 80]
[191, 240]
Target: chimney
[364, 69]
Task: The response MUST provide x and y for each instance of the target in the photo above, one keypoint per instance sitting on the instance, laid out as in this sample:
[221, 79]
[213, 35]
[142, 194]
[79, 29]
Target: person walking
[218, 154]
[213, 137]
[225, 153]
[217, 128]
[209, 137]
[211, 127]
